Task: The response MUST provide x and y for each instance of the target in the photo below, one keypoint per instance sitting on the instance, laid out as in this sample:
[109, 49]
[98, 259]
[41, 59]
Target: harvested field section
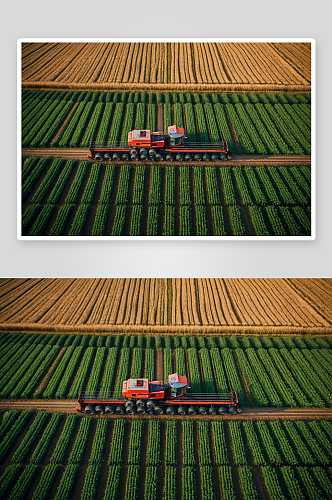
[260, 303]
[174, 65]
[316, 292]
[156, 302]
[90, 301]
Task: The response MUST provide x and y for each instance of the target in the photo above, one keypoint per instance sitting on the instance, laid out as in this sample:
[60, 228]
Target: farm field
[56, 456]
[250, 123]
[79, 199]
[267, 339]
[168, 305]
[264, 371]
[141, 65]
[75, 93]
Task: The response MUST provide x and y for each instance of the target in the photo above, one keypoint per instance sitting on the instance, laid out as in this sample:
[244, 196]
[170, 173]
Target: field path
[237, 160]
[248, 413]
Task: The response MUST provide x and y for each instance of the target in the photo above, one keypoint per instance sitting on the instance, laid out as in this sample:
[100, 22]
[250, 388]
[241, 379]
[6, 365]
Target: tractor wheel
[141, 410]
[140, 402]
[215, 157]
[99, 157]
[150, 411]
[109, 410]
[171, 410]
[134, 157]
[159, 157]
[152, 158]
[212, 410]
[232, 411]
[99, 409]
[152, 152]
[120, 410]
[170, 157]
[180, 157]
[116, 157]
[222, 410]
[125, 157]
[151, 404]
[202, 410]
[188, 157]
[192, 410]
[206, 157]
[133, 151]
[224, 157]
[182, 410]
[159, 410]
[108, 156]
[89, 409]
[144, 157]
[198, 157]
[130, 410]
[129, 402]
[144, 151]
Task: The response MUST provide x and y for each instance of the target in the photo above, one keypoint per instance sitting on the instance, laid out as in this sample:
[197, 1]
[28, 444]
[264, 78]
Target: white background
[181, 18]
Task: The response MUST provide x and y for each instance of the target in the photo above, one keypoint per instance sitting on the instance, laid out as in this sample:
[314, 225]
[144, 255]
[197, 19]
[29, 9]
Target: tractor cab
[177, 385]
[176, 135]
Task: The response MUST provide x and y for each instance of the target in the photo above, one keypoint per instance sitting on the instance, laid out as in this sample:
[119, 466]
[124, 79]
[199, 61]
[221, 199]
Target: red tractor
[156, 398]
[145, 145]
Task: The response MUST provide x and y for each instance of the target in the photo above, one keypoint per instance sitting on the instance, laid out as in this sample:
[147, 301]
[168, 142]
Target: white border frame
[172, 238]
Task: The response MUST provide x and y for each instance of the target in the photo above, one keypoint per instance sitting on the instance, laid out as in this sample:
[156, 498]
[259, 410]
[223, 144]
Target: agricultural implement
[144, 145]
[139, 396]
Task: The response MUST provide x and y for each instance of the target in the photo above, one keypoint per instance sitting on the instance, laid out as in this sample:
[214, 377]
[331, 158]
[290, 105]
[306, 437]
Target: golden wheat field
[173, 66]
[167, 304]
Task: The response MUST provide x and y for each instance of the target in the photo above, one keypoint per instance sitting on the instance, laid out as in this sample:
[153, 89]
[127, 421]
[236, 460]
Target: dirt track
[237, 160]
[248, 413]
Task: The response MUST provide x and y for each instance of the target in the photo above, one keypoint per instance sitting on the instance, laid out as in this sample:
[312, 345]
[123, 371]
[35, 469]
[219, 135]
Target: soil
[247, 413]
[161, 468]
[259, 483]
[160, 117]
[244, 382]
[105, 470]
[237, 160]
[62, 128]
[43, 383]
[142, 470]
[160, 365]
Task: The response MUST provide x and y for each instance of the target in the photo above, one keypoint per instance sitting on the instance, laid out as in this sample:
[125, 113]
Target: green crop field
[71, 198]
[251, 123]
[78, 198]
[45, 456]
[264, 371]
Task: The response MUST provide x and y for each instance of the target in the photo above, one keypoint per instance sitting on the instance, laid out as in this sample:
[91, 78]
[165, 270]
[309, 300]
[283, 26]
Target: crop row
[30, 98]
[99, 442]
[311, 354]
[77, 453]
[259, 127]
